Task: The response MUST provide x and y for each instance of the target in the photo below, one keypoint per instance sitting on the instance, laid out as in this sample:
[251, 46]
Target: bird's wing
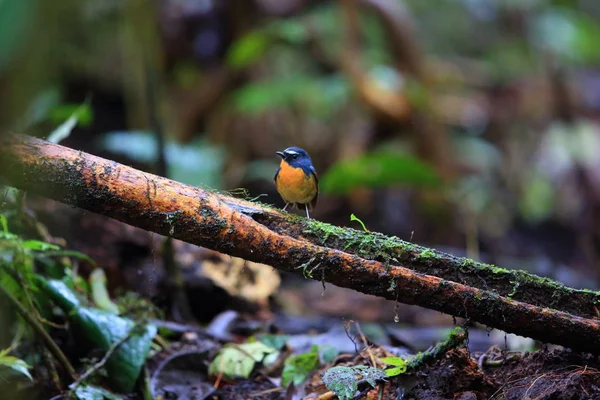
[276, 173]
[313, 203]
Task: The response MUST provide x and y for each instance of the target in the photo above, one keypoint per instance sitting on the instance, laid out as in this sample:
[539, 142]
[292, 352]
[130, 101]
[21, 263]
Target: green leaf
[248, 49]
[355, 218]
[370, 374]
[378, 169]
[395, 371]
[274, 341]
[297, 368]
[100, 293]
[83, 112]
[64, 130]
[14, 363]
[99, 329]
[89, 392]
[238, 361]
[343, 381]
[397, 362]
[4, 223]
[39, 246]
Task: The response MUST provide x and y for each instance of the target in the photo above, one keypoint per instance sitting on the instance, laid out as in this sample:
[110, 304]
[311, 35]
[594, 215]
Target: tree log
[367, 262]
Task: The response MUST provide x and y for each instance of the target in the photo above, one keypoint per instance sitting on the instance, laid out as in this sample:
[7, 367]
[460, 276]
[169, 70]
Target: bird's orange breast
[294, 185]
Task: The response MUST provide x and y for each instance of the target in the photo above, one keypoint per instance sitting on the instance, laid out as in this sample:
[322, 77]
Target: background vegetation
[469, 125]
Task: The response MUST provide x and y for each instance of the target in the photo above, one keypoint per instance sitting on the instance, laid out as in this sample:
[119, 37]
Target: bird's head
[295, 156]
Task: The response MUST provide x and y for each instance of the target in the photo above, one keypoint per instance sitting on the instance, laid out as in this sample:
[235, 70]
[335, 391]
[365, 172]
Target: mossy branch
[515, 284]
[369, 263]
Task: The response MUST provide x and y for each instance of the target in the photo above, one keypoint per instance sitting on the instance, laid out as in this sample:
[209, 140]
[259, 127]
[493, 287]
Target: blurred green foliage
[297, 368]
[568, 33]
[378, 169]
[15, 20]
[319, 97]
[197, 163]
[92, 328]
[16, 364]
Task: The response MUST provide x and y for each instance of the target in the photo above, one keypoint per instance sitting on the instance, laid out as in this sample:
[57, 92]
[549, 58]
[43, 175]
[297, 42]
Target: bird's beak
[280, 154]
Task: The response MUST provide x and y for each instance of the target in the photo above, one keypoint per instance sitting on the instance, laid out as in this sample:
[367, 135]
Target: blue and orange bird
[296, 179]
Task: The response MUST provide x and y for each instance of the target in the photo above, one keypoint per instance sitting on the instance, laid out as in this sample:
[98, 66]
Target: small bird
[296, 179]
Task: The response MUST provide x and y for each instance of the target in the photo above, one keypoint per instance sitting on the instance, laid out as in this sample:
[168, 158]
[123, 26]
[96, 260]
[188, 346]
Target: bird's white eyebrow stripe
[290, 152]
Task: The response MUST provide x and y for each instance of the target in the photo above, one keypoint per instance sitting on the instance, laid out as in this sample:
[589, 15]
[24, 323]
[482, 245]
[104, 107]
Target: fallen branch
[259, 233]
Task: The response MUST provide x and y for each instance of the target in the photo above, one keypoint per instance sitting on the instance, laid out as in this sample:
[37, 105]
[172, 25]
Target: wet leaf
[90, 392]
[100, 329]
[343, 381]
[238, 361]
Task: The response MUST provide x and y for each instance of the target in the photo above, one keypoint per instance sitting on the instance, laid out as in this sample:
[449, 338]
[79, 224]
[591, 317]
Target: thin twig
[367, 345]
[54, 377]
[39, 329]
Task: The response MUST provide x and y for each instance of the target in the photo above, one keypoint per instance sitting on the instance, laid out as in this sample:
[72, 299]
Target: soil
[542, 375]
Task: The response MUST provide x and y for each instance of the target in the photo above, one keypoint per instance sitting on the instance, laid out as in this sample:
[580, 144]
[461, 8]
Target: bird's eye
[295, 156]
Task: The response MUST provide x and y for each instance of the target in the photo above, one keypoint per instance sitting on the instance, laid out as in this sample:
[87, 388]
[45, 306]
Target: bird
[296, 179]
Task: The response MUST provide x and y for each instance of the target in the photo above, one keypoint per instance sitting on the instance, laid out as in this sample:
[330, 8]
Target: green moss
[495, 269]
[456, 338]
[514, 289]
[392, 250]
[426, 254]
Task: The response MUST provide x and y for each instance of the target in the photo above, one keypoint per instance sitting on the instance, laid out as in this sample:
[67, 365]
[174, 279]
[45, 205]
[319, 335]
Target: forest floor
[458, 374]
